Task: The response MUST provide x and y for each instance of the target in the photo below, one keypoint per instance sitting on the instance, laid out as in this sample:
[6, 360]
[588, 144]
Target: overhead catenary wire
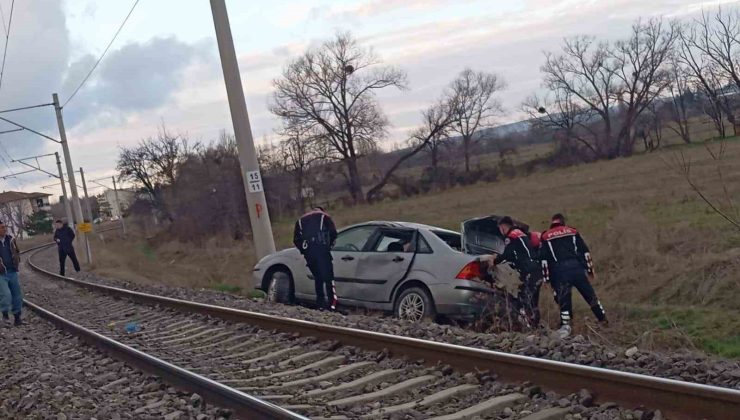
[102, 55]
[7, 40]
[2, 14]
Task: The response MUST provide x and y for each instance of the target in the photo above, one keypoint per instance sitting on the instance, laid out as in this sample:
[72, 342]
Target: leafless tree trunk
[585, 72]
[679, 89]
[640, 68]
[477, 105]
[708, 52]
[332, 89]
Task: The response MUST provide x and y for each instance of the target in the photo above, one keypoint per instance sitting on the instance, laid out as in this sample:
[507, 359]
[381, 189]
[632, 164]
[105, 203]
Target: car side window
[394, 241]
[353, 240]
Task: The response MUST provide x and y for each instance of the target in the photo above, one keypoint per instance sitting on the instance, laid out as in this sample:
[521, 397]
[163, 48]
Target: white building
[17, 206]
[109, 206]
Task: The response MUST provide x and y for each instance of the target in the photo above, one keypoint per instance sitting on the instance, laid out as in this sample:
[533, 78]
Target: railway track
[271, 367]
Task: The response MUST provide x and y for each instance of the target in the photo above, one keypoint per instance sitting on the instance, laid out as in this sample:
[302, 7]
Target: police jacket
[64, 237]
[314, 231]
[519, 253]
[563, 246]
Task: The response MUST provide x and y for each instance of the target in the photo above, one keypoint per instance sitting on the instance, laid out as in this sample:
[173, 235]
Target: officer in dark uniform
[522, 256]
[566, 263]
[314, 236]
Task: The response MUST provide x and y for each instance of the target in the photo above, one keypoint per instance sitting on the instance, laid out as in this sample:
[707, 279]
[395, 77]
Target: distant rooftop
[11, 196]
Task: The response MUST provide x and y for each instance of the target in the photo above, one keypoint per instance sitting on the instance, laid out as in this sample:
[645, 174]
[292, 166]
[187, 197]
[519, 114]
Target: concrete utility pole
[259, 217]
[89, 215]
[87, 198]
[118, 205]
[76, 208]
[67, 205]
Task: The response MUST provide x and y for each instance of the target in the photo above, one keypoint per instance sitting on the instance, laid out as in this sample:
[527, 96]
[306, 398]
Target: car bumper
[460, 301]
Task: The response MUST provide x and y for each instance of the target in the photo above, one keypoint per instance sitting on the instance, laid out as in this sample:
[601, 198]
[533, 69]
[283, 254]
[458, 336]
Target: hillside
[667, 265]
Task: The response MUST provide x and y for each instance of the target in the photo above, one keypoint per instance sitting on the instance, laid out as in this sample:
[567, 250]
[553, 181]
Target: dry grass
[667, 266]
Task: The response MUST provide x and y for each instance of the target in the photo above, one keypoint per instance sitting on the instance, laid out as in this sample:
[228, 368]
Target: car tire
[414, 304]
[280, 286]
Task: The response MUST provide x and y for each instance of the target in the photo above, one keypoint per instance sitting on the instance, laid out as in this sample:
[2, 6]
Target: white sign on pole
[255, 181]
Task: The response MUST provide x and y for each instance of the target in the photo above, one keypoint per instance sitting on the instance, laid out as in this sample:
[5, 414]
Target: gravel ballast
[684, 366]
[46, 374]
[171, 335]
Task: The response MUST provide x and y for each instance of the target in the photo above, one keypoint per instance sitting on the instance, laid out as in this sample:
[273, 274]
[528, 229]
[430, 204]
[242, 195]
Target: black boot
[5, 316]
[17, 319]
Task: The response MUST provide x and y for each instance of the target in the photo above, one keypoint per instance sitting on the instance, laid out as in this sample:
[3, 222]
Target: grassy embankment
[668, 267]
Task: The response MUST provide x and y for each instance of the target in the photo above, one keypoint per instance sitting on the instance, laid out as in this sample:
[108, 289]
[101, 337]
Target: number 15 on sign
[255, 181]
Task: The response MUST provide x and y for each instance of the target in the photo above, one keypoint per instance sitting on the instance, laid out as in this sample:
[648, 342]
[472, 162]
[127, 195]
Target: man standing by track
[11, 296]
[314, 236]
[64, 236]
[566, 262]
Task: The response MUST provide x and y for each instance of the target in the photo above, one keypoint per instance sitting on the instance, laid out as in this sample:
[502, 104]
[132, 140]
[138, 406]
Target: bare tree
[584, 73]
[301, 150]
[438, 119]
[154, 163]
[640, 66]
[680, 91]
[332, 89]
[695, 42]
[477, 106]
[434, 146]
[564, 114]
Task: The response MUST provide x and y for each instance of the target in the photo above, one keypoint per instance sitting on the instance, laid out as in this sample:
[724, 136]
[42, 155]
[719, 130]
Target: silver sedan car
[417, 271]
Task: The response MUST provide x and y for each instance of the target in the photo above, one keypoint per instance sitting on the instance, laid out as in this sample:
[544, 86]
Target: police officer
[566, 263]
[523, 258]
[314, 236]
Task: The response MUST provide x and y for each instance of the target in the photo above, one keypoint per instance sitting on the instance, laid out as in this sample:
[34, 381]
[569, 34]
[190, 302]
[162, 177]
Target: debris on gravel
[45, 374]
[577, 349]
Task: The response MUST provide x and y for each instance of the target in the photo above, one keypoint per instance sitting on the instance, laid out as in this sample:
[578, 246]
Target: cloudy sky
[164, 67]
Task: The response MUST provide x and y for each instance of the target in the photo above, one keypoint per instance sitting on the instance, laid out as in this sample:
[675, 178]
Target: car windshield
[451, 239]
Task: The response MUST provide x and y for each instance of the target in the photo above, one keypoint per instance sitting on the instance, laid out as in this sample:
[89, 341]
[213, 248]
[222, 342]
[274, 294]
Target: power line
[102, 55]
[2, 14]
[7, 40]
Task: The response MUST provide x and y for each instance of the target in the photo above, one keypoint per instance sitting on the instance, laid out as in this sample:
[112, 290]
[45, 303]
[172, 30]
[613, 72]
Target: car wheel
[414, 304]
[279, 288]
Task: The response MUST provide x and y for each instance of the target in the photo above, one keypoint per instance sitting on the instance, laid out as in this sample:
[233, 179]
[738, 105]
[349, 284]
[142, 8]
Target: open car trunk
[480, 236]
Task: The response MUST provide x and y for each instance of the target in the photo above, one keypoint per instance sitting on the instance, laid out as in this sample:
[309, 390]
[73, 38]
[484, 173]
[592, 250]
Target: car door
[349, 246]
[385, 263]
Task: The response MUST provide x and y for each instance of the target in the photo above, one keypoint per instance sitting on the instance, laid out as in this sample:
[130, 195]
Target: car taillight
[471, 271]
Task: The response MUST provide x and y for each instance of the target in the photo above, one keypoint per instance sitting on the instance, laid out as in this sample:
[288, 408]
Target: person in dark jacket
[64, 236]
[11, 295]
[566, 262]
[522, 256]
[314, 236]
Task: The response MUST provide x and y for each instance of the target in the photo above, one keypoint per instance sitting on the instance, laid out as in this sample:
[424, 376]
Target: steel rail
[676, 399]
[243, 405]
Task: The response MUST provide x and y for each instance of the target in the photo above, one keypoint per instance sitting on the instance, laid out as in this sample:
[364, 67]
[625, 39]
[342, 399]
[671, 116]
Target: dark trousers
[63, 254]
[563, 282]
[529, 296]
[322, 268]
